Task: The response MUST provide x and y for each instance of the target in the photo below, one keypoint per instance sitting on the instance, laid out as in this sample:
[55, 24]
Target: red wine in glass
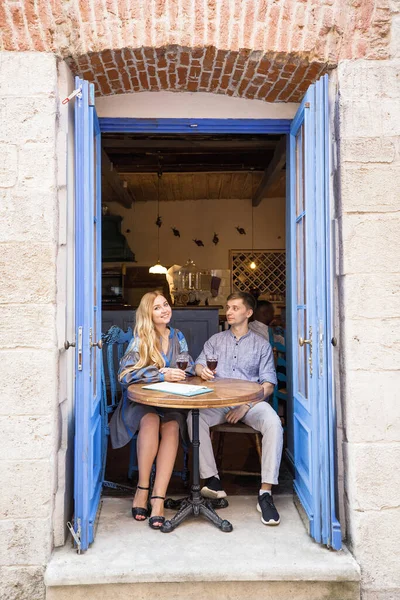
[212, 363]
[182, 361]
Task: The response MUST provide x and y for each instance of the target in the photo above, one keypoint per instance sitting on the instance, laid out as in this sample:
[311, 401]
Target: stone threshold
[125, 551]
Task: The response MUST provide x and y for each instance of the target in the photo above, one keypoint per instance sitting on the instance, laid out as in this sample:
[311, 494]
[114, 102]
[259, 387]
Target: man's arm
[268, 390]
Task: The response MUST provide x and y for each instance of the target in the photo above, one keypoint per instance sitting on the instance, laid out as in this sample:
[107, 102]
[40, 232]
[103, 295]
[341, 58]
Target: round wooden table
[225, 392]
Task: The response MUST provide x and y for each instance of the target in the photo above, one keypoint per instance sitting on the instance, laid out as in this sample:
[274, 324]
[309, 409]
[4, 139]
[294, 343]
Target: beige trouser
[261, 417]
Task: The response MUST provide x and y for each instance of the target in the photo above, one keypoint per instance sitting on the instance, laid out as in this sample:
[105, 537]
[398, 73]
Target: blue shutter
[88, 429]
[311, 329]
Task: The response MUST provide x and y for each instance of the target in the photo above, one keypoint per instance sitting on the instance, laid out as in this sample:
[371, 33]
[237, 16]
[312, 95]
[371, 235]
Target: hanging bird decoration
[215, 239]
[176, 232]
[241, 230]
[198, 242]
[159, 221]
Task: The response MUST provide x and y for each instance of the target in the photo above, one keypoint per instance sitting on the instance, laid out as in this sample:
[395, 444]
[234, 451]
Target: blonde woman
[151, 357]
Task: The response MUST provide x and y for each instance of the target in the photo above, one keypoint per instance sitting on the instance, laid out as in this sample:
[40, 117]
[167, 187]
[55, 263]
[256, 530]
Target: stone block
[24, 74]
[367, 150]
[8, 165]
[26, 438]
[25, 542]
[395, 42]
[30, 119]
[26, 489]
[371, 344]
[369, 243]
[370, 296]
[372, 411]
[373, 476]
[212, 590]
[370, 189]
[27, 215]
[356, 120]
[382, 594]
[28, 391]
[361, 80]
[37, 167]
[27, 272]
[22, 583]
[27, 325]
[375, 538]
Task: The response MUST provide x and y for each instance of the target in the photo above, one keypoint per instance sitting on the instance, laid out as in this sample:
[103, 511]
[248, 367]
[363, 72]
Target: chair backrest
[115, 342]
[278, 342]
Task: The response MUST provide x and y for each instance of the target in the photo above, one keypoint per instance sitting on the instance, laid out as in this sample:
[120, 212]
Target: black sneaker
[213, 489]
[266, 506]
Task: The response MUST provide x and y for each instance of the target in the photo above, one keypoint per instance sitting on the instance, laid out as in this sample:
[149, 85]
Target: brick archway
[244, 73]
[265, 49]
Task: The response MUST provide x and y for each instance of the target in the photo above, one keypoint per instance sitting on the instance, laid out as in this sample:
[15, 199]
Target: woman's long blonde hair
[149, 344]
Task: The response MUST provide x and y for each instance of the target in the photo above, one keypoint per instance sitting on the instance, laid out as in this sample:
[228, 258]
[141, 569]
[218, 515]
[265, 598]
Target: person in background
[241, 354]
[150, 357]
[263, 317]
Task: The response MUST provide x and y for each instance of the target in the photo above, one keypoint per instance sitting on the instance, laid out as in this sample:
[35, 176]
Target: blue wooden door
[88, 429]
[310, 288]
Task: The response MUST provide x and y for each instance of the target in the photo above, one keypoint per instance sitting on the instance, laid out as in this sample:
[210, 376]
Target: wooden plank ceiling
[195, 167]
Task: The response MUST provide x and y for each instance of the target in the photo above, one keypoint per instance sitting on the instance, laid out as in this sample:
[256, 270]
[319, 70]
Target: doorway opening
[218, 200]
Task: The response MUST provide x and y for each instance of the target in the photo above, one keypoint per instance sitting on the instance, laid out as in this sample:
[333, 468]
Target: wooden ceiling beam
[117, 192]
[166, 146]
[273, 172]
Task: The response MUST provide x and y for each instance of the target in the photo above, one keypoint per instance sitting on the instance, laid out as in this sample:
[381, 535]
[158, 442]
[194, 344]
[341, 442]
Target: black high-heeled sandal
[139, 511]
[154, 520]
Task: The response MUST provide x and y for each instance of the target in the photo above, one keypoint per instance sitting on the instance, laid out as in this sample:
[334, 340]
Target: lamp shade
[158, 269]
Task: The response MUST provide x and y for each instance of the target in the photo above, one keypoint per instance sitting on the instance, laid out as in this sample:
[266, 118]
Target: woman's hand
[173, 375]
[207, 374]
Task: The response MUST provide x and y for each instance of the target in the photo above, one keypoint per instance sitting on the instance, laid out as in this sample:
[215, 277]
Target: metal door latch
[80, 366]
[77, 92]
[76, 534]
[302, 342]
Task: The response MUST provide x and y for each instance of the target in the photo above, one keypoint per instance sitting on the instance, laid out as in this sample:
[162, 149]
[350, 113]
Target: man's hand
[206, 374]
[235, 414]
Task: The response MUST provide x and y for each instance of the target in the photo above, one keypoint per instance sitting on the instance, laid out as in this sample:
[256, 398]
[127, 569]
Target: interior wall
[200, 219]
[186, 105]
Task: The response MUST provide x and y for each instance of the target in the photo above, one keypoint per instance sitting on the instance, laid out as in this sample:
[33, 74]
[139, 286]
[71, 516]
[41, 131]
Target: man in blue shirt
[241, 354]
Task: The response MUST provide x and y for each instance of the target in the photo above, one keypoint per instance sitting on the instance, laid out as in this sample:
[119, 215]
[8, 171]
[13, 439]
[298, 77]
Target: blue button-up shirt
[249, 357]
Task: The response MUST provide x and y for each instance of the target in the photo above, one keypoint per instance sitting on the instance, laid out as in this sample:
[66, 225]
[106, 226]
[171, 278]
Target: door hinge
[80, 366]
[76, 534]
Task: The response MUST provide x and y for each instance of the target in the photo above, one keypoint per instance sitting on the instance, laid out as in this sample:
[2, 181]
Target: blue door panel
[88, 430]
[310, 281]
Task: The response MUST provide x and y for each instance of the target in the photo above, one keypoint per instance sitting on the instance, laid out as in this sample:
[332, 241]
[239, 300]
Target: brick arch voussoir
[271, 76]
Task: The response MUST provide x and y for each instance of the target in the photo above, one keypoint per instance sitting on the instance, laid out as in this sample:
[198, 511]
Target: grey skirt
[125, 421]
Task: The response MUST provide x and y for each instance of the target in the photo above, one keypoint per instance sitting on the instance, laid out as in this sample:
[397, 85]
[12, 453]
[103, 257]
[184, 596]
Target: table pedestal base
[197, 505]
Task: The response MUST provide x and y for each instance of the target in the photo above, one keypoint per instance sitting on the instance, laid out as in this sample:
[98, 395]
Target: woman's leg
[147, 446]
[165, 463]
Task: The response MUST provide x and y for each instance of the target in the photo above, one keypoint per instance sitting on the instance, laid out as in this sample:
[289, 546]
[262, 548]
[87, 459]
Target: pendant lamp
[252, 264]
[158, 268]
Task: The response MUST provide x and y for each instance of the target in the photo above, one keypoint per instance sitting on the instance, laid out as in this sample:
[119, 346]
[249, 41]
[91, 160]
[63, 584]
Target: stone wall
[367, 186]
[250, 48]
[28, 336]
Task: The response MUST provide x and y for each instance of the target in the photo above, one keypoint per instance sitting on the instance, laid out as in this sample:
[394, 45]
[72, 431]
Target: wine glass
[212, 362]
[182, 361]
